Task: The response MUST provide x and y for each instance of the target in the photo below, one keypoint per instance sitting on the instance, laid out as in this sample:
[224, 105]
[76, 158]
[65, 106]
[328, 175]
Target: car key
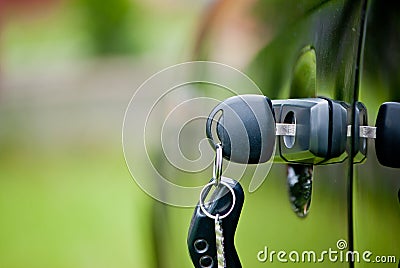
[222, 212]
[213, 225]
[246, 128]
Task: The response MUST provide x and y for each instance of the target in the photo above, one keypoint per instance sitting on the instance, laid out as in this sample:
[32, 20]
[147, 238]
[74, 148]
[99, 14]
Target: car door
[353, 203]
[348, 205]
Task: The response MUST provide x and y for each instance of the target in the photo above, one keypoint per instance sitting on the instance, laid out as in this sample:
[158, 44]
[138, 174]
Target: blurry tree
[110, 25]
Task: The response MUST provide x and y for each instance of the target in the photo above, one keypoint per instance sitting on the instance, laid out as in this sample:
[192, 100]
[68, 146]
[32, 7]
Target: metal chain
[219, 240]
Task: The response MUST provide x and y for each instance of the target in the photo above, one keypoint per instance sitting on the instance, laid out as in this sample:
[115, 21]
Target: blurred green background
[67, 72]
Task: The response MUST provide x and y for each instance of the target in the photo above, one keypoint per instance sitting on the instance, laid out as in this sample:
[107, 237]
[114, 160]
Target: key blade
[365, 132]
[285, 129]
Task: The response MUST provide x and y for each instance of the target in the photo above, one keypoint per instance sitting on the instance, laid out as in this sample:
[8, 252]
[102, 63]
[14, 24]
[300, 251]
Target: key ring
[208, 187]
[217, 169]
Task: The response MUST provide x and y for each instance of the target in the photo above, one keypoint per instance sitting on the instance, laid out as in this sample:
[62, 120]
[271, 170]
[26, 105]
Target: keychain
[212, 229]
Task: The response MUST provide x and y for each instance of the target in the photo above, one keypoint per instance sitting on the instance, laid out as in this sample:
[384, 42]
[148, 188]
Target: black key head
[387, 143]
[246, 128]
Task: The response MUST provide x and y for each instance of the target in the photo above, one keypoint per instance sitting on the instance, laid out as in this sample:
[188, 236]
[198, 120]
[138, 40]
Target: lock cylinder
[321, 130]
[360, 145]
